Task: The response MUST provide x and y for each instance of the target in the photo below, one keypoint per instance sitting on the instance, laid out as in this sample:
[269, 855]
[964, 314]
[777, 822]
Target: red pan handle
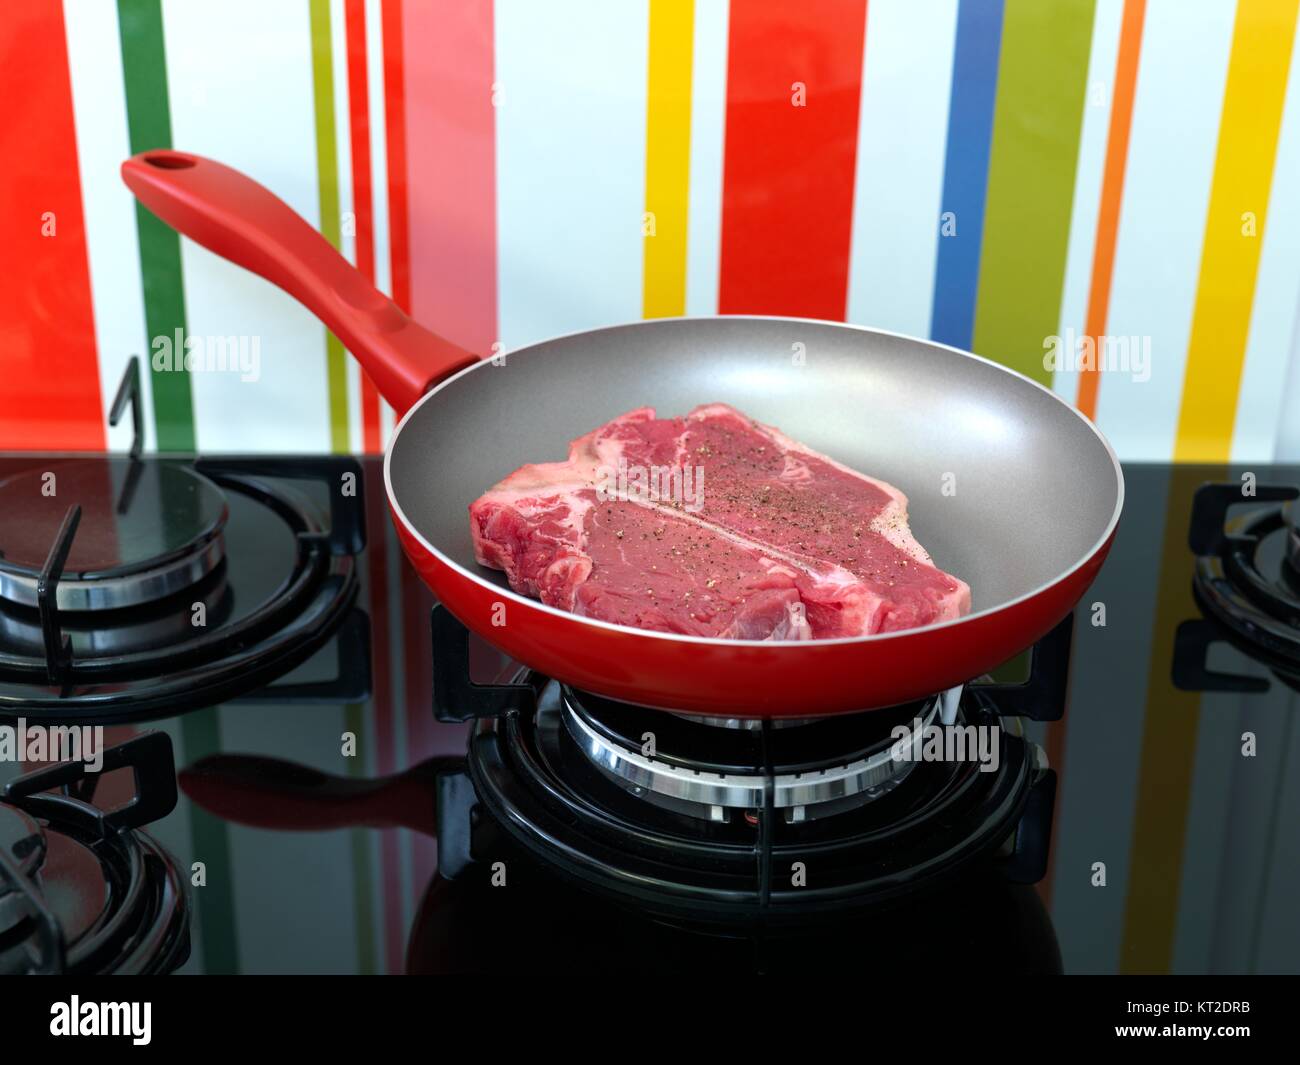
[249, 789]
[232, 215]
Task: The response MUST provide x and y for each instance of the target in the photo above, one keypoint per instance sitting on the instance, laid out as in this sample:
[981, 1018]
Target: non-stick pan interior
[1008, 487]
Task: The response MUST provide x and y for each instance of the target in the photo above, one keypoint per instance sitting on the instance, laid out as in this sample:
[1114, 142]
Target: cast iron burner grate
[83, 890]
[286, 584]
[133, 587]
[531, 775]
[1247, 583]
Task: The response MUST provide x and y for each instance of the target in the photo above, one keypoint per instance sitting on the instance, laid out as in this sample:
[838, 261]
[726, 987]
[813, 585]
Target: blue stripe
[966, 169]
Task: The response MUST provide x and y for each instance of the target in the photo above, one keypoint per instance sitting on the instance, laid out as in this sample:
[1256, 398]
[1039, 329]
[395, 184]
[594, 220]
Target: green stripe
[148, 117]
[327, 177]
[144, 65]
[210, 844]
[363, 896]
[1042, 81]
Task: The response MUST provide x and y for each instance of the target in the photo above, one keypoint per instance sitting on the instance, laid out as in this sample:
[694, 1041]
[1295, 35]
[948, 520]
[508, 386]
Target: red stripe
[787, 197]
[400, 271]
[451, 152]
[362, 202]
[422, 735]
[382, 664]
[50, 394]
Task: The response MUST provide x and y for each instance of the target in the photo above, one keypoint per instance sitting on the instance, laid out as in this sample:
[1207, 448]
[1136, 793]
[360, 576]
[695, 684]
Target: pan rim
[717, 641]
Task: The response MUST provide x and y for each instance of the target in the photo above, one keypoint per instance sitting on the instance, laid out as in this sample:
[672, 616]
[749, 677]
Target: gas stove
[1247, 584]
[83, 889]
[133, 587]
[758, 845]
[370, 788]
[716, 820]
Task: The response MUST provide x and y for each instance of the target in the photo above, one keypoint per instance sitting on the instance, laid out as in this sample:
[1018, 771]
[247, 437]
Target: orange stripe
[1234, 227]
[49, 370]
[1112, 190]
[362, 203]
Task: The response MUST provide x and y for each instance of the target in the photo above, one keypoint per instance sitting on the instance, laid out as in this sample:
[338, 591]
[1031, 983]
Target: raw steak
[712, 525]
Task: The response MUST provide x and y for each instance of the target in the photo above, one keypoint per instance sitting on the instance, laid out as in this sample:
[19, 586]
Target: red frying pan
[1033, 495]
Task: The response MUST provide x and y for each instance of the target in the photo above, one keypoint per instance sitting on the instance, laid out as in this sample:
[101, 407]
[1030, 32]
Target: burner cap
[147, 530]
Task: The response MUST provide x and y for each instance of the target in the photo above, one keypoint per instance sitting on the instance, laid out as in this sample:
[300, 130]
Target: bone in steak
[712, 525]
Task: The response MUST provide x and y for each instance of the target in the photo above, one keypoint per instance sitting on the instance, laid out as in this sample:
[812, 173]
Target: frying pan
[1010, 488]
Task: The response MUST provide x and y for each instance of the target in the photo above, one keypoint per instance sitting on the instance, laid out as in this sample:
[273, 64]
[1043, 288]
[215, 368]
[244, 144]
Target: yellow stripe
[1234, 228]
[327, 184]
[667, 157]
[1168, 753]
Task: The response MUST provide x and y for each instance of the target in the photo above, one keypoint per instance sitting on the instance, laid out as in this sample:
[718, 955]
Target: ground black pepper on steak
[753, 536]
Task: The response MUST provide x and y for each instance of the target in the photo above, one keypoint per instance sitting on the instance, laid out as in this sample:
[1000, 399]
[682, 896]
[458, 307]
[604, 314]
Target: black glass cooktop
[310, 846]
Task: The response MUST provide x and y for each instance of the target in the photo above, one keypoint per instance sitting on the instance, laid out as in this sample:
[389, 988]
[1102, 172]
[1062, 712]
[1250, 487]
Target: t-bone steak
[712, 525]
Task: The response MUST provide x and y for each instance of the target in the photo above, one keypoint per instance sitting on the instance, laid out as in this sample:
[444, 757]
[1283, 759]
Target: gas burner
[148, 531]
[187, 582]
[83, 890]
[131, 588]
[1247, 583]
[715, 768]
[722, 825]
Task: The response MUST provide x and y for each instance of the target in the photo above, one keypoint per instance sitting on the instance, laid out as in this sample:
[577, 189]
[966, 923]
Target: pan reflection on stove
[558, 849]
[509, 911]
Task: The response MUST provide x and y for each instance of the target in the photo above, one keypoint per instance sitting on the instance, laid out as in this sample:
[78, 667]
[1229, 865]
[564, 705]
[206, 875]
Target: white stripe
[1088, 175]
[571, 154]
[898, 182]
[1240, 818]
[1278, 806]
[1288, 426]
[245, 98]
[378, 143]
[708, 134]
[379, 167]
[1181, 77]
[1265, 424]
[112, 240]
[343, 131]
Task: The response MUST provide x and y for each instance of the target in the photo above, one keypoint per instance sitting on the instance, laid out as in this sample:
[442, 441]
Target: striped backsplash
[988, 173]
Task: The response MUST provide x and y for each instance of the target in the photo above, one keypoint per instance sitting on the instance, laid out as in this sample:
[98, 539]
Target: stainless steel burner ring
[799, 796]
